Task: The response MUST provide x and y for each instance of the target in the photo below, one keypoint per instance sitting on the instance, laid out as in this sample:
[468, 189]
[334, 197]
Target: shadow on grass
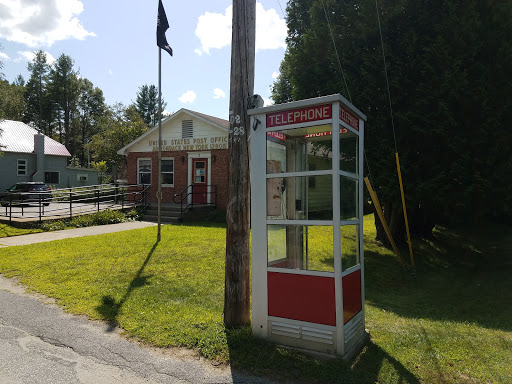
[288, 365]
[110, 309]
[460, 277]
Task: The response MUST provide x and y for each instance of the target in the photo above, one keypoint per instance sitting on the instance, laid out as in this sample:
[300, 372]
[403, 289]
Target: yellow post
[378, 208]
[405, 210]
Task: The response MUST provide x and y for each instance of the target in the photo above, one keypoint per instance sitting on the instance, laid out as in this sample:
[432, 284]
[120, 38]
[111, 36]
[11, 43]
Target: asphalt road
[41, 344]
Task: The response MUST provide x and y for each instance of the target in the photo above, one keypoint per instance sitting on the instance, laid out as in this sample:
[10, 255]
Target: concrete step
[154, 208]
[163, 219]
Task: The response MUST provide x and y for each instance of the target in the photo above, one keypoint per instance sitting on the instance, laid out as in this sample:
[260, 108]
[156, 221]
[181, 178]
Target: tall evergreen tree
[37, 92]
[64, 89]
[146, 104]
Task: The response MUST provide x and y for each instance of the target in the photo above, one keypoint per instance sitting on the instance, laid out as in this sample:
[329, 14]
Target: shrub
[81, 221]
[49, 226]
[108, 217]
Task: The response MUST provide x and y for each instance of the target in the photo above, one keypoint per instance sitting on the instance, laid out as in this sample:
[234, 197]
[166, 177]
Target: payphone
[307, 243]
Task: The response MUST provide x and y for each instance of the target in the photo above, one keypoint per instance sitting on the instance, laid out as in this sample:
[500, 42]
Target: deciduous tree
[449, 77]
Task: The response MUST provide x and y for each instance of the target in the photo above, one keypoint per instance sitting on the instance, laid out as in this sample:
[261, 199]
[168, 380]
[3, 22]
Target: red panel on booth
[302, 297]
[352, 303]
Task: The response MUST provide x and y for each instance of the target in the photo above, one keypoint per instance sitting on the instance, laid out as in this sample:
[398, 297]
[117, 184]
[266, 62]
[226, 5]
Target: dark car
[26, 193]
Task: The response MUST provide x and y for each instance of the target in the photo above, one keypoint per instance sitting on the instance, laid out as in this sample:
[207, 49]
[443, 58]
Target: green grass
[452, 325]
[8, 231]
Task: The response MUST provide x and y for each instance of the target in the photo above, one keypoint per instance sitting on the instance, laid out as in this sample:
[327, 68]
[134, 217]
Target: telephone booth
[307, 225]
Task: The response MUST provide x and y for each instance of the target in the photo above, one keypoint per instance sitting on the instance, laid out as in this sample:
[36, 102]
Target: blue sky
[113, 44]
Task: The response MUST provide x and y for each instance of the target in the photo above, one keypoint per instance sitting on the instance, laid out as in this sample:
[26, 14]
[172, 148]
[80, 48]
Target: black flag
[162, 25]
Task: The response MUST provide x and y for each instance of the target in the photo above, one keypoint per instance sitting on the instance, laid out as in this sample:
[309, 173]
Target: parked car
[26, 193]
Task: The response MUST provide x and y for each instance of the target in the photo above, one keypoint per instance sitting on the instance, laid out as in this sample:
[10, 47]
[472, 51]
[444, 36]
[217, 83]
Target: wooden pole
[237, 283]
[404, 208]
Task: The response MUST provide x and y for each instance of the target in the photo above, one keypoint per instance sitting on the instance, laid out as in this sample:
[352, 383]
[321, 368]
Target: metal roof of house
[16, 136]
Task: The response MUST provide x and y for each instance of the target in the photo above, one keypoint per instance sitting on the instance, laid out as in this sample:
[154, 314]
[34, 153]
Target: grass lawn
[8, 231]
[452, 325]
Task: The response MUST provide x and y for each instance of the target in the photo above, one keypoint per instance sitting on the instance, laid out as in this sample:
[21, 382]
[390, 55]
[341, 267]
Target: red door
[200, 181]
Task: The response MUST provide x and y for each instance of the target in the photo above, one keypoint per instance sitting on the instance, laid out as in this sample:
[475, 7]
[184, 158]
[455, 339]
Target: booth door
[200, 181]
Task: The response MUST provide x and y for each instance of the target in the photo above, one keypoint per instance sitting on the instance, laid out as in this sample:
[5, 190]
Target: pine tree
[37, 92]
[64, 90]
[146, 104]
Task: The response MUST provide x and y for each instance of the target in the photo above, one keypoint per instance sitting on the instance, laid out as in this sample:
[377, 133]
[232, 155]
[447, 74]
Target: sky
[113, 44]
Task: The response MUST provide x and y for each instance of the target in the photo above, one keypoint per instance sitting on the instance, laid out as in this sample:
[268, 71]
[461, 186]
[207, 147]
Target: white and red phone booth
[307, 224]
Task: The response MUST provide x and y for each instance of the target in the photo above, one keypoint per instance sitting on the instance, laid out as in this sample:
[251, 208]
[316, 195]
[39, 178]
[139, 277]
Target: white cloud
[214, 29]
[275, 75]
[35, 23]
[198, 51]
[4, 56]
[271, 30]
[188, 97]
[29, 56]
[267, 102]
[219, 94]
[110, 72]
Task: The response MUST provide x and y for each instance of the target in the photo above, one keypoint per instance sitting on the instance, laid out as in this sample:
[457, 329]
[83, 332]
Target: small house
[28, 155]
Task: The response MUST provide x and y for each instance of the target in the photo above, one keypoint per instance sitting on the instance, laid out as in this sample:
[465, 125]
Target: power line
[386, 73]
[336, 50]
[284, 15]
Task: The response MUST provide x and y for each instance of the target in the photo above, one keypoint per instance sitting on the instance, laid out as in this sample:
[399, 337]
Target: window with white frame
[144, 171]
[22, 167]
[168, 171]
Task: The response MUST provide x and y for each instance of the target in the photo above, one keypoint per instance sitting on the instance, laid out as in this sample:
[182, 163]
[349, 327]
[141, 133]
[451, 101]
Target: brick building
[194, 158]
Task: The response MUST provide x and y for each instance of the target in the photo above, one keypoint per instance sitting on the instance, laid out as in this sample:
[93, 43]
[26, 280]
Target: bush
[49, 226]
[81, 221]
[108, 217]
[134, 214]
[98, 218]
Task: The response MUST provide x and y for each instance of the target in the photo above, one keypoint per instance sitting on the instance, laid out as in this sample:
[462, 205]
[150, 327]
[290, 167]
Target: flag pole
[162, 25]
[159, 193]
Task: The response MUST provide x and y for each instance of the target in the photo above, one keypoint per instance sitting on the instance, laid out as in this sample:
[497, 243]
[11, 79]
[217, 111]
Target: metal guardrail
[66, 202]
[189, 191]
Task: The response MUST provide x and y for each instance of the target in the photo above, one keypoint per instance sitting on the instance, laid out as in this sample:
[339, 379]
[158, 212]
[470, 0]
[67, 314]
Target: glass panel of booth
[299, 149]
[300, 247]
[349, 246]
[299, 198]
[349, 188]
[349, 148]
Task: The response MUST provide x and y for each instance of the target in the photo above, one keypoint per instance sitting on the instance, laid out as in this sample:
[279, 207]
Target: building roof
[220, 123]
[16, 136]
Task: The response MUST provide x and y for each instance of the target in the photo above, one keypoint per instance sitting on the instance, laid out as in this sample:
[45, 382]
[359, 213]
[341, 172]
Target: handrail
[210, 190]
[74, 200]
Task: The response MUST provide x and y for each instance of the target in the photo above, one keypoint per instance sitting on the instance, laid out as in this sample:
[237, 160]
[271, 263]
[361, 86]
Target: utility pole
[237, 284]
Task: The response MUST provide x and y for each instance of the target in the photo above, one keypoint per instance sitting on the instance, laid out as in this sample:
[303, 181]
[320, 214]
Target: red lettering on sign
[277, 135]
[320, 112]
[329, 133]
[349, 118]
